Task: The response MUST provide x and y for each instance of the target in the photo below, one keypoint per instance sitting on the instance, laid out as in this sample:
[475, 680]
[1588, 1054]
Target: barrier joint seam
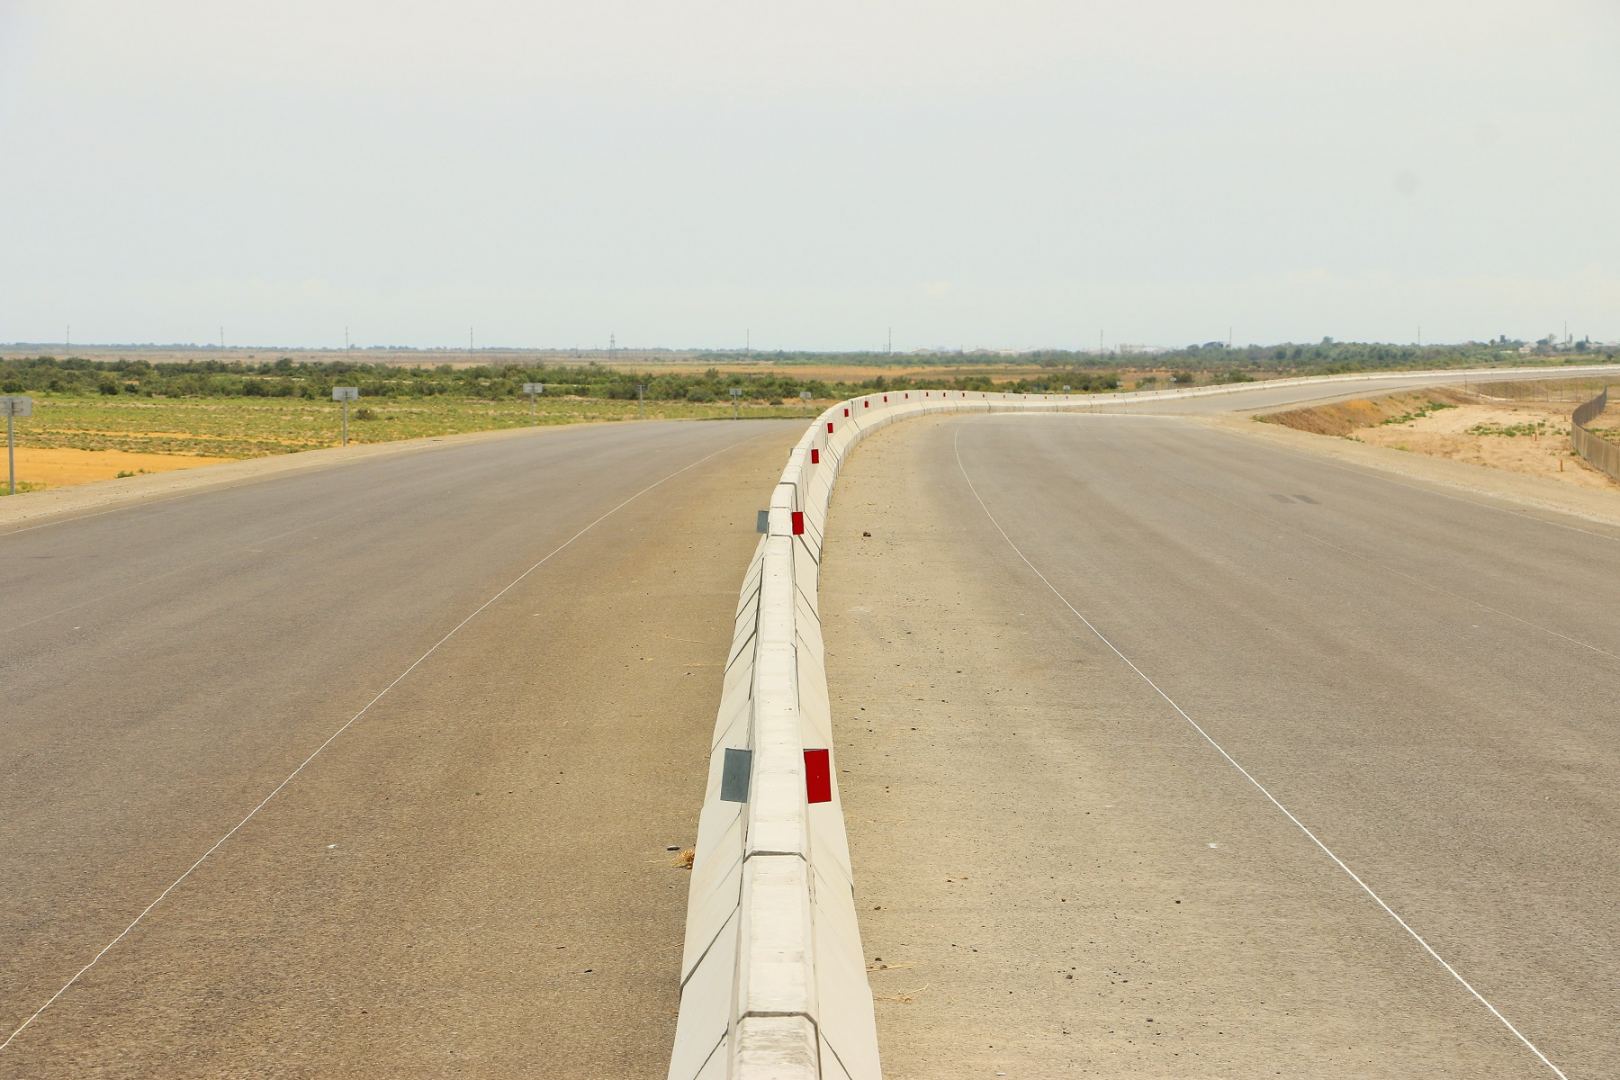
[752, 634]
[715, 1049]
[704, 955]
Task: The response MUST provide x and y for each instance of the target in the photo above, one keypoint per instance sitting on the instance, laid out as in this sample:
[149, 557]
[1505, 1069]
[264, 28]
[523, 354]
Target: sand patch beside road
[60, 467]
[1527, 437]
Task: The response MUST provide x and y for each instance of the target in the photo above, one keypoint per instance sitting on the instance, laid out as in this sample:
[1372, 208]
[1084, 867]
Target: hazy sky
[1007, 173]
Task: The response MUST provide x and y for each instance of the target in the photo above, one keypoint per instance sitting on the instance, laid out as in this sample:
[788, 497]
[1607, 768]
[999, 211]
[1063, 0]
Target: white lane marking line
[346, 725]
[1340, 863]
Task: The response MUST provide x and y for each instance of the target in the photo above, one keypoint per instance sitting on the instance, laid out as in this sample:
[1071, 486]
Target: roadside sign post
[533, 389]
[736, 403]
[14, 407]
[641, 401]
[345, 394]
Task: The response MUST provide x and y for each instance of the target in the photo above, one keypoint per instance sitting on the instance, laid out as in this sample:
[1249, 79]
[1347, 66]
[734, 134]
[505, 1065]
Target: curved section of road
[1282, 393]
[516, 644]
[1040, 699]
[373, 769]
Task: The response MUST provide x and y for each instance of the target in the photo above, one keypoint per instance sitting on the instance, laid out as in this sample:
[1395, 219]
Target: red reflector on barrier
[817, 776]
[846, 411]
[867, 404]
[829, 427]
[885, 399]
[815, 455]
[798, 523]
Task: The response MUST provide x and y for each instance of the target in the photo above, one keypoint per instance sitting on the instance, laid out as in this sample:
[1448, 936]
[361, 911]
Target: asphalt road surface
[1170, 753]
[469, 879]
[1260, 396]
[372, 770]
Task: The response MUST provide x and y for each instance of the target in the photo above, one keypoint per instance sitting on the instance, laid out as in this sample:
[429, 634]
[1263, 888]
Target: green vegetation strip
[1512, 431]
[1418, 414]
[285, 378]
[241, 427]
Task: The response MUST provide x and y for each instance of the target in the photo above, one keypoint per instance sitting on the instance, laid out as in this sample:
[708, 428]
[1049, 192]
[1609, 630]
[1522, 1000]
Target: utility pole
[748, 342]
[891, 341]
[641, 401]
[613, 343]
[222, 339]
[67, 338]
[348, 349]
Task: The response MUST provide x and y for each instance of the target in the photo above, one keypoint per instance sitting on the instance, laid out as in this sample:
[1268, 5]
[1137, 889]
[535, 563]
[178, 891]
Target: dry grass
[257, 427]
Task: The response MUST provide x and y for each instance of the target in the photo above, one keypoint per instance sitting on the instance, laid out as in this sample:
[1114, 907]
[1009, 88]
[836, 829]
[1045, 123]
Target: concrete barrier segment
[773, 977]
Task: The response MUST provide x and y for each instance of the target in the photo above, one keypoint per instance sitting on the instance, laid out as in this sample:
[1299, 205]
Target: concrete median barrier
[773, 978]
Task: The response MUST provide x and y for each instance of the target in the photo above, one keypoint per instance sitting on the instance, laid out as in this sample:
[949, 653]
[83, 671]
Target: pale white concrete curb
[773, 977]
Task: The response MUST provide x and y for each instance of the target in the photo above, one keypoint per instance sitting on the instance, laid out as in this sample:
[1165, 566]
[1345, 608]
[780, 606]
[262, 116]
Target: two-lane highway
[471, 878]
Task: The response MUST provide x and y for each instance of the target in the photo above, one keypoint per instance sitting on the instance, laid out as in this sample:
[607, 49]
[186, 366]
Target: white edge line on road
[1340, 863]
[333, 737]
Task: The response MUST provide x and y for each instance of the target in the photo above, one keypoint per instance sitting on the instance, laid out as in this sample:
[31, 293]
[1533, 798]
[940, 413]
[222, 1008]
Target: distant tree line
[1326, 357]
[1080, 372]
[288, 379]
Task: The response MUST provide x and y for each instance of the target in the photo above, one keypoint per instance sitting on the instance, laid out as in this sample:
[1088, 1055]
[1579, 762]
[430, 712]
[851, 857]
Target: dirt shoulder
[1522, 436]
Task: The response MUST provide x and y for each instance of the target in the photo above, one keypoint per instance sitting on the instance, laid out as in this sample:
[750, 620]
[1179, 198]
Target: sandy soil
[60, 468]
[1527, 437]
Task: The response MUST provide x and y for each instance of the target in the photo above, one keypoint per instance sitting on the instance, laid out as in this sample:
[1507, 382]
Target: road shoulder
[1530, 492]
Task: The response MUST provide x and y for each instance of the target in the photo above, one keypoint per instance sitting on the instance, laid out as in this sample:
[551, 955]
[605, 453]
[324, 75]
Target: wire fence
[1549, 390]
[1599, 452]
